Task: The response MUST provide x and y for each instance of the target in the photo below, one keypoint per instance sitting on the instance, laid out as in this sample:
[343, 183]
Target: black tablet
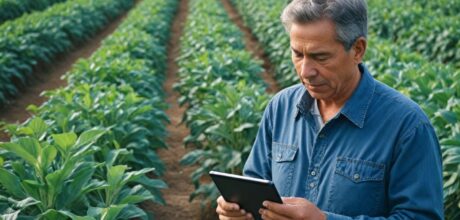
[247, 192]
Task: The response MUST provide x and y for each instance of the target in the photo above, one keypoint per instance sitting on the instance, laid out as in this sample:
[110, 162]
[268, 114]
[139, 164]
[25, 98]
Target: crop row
[221, 85]
[435, 86]
[39, 37]
[11, 9]
[431, 28]
[87, 152]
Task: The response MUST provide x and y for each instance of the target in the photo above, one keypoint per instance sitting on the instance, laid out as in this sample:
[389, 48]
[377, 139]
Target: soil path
[177, 177]
[49, 77]
[253, 46]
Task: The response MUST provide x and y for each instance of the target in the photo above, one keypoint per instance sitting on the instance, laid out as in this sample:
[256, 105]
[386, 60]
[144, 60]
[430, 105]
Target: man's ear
[359, 48]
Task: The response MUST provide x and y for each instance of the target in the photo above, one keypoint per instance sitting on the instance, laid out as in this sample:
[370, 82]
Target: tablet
[247, 192]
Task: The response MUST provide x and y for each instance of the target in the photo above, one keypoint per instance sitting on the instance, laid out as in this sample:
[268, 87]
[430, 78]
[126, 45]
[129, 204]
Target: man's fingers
[282, 209]
[238, 213]
[292, 200]
[221, 217]
[227, 205]
[271, 215]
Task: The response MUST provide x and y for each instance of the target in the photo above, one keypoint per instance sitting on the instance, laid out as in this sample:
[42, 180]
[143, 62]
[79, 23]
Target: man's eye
[322, 58]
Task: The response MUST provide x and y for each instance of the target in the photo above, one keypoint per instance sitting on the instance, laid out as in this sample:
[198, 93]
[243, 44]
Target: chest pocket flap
[283, 152]
[359, 170]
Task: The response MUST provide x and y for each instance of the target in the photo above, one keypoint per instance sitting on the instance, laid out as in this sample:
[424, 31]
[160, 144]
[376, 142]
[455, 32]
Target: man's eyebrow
[296, 51]
[312, 54]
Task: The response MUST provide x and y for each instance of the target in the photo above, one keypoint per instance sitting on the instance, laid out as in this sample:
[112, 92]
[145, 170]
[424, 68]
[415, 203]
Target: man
[342, 145]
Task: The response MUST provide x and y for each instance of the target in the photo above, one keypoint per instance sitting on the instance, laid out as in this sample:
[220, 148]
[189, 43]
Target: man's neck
[330, 107]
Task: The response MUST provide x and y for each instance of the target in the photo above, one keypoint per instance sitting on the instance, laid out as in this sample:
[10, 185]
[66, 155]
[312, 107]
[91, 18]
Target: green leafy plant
[51, 172]
[37, 38]
[221, 85]
[11, 9]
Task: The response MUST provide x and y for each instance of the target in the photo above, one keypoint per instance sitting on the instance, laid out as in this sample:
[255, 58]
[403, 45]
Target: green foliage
[263, 20]
[51, 170]
[221, 85]
[104, 92]
[11, 9]
[431, 28]
[37, 38]
[135, 123]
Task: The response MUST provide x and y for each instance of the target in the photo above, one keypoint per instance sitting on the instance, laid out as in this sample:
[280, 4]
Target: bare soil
[177, 177]
[48, 77]
[253, 46]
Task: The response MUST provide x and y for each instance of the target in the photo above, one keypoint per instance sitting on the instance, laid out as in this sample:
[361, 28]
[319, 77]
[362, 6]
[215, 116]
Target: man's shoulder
[388, 97]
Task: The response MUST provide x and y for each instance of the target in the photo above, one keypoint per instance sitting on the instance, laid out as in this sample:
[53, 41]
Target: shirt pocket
[283, 164]
[357, 187]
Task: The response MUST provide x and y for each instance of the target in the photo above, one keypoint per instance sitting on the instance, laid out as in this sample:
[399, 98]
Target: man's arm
[258, 163]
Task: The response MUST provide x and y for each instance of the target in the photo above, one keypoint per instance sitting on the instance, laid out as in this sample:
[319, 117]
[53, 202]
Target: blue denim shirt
[378, 158]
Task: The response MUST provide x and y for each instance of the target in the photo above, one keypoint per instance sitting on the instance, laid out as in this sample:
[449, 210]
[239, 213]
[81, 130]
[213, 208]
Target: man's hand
[231, 211]
[291, 209]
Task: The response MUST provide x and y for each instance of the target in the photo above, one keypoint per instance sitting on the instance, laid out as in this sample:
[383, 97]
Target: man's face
[322, 64]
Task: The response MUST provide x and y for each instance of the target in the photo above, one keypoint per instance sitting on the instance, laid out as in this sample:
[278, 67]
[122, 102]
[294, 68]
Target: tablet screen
[248, 192]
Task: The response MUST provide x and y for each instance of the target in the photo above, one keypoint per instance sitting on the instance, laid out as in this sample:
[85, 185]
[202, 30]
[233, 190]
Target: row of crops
[413, 47]
[88, 150]
[39, 37]
[11, 9]
[225, 95]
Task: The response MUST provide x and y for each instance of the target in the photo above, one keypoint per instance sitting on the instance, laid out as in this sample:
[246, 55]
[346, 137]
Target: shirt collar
[355, 109]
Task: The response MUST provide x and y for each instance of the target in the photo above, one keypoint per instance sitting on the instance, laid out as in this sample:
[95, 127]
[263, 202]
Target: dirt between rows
[48, 77]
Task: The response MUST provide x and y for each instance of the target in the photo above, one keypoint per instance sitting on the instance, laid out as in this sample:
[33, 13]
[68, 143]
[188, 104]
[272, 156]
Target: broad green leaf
[112, 212]
[55, 180]
[134, 175]
[29, 201]
[89, 136]
[65, 141]
[113, 155]
[32, 145]
[153, 183]
[449, 116]
[79, 179]
[75, 217]
[11, 216]
[49, 153]
[20, 152]
[132, 211]
[39, 127]
[134, 195]
[115, 175]
[11, 183]
[32, 188]
[192, 157]
[25, 131]
[51, 214]
[243, 127]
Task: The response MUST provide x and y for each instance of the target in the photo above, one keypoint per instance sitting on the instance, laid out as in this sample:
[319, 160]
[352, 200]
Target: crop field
[118, 109]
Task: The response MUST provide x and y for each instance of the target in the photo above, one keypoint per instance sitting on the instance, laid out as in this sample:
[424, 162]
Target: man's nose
[308, 69]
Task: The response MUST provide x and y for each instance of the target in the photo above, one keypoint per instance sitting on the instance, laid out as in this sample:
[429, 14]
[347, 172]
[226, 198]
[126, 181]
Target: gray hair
[349, 17]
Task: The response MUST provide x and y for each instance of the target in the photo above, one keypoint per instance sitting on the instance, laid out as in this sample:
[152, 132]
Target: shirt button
[322, 136]
[312, 185]
[356, 176]
[279, 156]
[313, 173]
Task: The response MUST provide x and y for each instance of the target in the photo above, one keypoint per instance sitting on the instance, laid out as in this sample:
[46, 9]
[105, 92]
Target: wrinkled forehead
[313, 33]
